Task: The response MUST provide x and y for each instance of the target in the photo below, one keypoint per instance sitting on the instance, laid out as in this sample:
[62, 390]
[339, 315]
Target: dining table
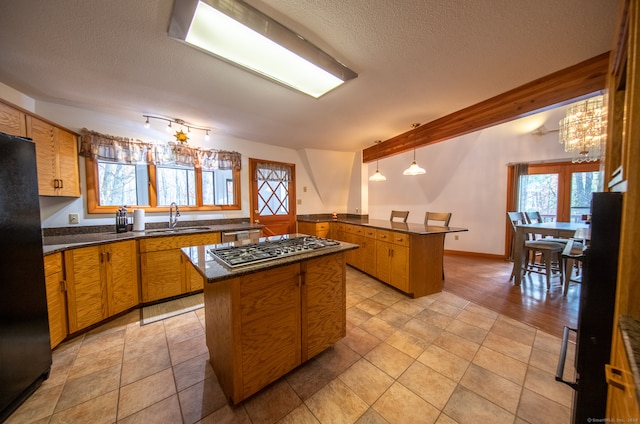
[565, 230]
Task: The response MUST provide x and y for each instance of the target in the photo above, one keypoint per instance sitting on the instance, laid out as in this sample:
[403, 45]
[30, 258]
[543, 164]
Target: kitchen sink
[177, 230]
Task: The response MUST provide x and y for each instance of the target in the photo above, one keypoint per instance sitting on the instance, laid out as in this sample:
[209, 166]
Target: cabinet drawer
[52, 263]
[322, 226]
[384, 235]
[369, 232]
[401, 239]
[349, 228]
[154, 244]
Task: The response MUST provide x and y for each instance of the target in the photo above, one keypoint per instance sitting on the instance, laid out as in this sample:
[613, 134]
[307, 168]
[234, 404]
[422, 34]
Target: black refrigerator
[25, 350]
[596, 312]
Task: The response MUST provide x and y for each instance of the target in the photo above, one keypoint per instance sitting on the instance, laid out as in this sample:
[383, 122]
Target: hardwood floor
[486, 282]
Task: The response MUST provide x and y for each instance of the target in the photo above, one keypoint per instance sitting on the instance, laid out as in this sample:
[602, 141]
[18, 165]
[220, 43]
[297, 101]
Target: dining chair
[572, 256]
[443, 218]
[401, 215]
[535, 218]
[547, 250]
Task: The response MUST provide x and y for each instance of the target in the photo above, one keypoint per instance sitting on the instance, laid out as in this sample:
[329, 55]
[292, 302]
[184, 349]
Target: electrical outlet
[73, 218]
[304, 189]
[456, 237]
[299, 201]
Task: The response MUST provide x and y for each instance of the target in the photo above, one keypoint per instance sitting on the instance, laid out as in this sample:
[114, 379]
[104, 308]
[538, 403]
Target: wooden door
[163, 274]
[323, 304]
[270, 326]
[85, 287]
[67, 163]
[122, 276]
[42, 134]
[12, 121]
[56, 298]
[273, 196]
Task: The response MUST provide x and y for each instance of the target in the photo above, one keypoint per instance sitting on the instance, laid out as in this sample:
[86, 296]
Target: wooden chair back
[401, 215]
[442, 217]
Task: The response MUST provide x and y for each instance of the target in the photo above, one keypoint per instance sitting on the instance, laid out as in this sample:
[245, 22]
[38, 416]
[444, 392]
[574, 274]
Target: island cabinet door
[269, 326]
[323, 303]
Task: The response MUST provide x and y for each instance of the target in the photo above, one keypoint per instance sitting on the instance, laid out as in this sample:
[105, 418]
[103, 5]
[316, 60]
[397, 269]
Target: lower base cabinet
[101, 282]
[622, 401]
[56, 298]
[163, 266]
[262, 325]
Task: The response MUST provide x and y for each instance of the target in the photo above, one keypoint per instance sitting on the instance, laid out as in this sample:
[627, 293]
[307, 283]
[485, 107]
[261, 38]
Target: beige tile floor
[436, 359]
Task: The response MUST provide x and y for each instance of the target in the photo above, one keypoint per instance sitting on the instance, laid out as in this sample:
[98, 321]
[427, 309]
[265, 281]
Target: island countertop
[214, 270]
[381, 224]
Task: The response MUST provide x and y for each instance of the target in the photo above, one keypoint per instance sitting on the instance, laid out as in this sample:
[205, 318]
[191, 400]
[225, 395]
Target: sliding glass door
[560, 192]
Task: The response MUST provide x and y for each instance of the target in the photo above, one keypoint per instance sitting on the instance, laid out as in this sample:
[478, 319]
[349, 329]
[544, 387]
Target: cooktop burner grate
[234, 256]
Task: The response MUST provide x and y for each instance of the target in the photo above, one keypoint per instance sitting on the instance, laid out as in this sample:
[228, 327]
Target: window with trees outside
[560, 192]
[123, 172]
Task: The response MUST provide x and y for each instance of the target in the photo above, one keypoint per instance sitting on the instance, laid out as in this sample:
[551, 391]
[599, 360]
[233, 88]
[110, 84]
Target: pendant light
[377, 176]
[414, 169]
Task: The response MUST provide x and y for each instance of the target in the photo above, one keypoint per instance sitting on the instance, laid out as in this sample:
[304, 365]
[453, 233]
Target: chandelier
[584, 129]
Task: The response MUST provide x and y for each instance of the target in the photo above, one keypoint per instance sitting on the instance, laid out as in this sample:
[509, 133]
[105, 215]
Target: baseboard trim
[474, 254]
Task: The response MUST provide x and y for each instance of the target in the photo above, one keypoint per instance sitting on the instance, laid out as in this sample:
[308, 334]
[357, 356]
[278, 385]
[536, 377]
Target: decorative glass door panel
[272, 191]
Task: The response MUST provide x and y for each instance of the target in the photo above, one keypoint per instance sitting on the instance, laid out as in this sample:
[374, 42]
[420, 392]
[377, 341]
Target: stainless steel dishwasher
[251, 235]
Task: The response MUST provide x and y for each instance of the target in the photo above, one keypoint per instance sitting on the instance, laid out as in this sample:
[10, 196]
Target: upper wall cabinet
[56, 150]
[12, 121]
[57, 157]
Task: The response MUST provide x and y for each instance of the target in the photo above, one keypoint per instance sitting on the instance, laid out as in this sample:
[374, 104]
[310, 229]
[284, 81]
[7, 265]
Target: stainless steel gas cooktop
[234, 256]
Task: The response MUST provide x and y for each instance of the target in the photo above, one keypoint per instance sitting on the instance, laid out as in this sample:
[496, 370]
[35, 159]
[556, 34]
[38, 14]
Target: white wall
[468, 177]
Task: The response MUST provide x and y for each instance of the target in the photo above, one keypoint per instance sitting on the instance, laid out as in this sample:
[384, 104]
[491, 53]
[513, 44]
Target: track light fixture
[180, 135]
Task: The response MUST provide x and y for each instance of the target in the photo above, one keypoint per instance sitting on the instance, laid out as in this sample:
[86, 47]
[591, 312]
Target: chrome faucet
[173, 220]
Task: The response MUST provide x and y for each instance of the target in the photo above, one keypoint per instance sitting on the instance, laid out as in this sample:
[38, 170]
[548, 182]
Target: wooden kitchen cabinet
[12, 121]
[392, 259]
[102, 281]
[262, 325]
[57, 158]
[56, 298]
[318, 229]
[163, 267]
[323, 304]
[622, 400]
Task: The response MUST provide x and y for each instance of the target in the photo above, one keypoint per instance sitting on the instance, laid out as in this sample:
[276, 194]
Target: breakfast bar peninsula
[270, 306]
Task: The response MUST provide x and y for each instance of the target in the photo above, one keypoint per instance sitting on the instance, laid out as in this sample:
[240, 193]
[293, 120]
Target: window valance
[133, 151]
[273, 172]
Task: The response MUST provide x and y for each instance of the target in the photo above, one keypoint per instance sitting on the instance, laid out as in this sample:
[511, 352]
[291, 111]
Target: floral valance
[133, 151]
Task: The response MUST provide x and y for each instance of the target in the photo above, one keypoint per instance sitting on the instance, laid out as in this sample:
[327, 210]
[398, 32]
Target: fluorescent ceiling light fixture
[236, 32]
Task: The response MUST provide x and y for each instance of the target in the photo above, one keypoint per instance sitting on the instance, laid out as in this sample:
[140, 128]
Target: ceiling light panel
[240, 34]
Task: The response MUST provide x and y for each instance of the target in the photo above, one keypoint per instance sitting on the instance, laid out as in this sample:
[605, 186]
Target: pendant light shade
[377, 176]
[414, 169]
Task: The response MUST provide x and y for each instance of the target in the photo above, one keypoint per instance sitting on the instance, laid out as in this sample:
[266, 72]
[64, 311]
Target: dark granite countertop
[53, 244]
[214, 270]
[408, 228]
[630, 328]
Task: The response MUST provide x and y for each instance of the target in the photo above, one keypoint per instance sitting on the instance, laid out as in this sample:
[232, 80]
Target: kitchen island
[265, 319]
[407, 256]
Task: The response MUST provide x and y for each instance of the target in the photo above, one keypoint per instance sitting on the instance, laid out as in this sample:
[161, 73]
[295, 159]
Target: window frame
[93, 193]
[565, 171]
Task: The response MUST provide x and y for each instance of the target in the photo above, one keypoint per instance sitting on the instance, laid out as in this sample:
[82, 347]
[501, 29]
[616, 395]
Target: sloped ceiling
[417, 60]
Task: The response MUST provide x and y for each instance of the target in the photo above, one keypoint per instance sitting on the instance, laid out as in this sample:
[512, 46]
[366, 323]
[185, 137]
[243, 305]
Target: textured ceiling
[417, 60]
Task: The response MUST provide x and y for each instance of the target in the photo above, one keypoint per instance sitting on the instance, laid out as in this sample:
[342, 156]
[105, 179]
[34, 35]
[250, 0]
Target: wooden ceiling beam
[552, 90]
